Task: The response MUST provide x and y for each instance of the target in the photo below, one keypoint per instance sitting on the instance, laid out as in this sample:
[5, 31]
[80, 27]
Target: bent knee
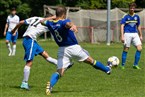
[139, 48]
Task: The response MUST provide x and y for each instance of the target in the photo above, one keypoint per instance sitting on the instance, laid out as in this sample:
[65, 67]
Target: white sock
[26, 73]
[52, 60]
[14, 49]
[9, 47]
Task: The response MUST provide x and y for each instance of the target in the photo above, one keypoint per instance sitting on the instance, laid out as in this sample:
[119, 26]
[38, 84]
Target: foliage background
[28, 8]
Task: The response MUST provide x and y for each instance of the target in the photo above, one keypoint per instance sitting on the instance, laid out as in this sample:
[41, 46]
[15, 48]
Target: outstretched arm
[17, 26]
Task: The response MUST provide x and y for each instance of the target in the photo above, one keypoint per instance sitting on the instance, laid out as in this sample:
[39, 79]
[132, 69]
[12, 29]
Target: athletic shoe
[13, 54]
[24, 85]
[122, 67]
[48, 89]
[136, 67]
[10, 54]
[109, 72]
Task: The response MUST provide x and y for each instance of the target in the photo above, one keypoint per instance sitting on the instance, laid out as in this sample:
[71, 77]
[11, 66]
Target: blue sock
[124, 56]
[100, 66]
[54, 79]
[137, 57]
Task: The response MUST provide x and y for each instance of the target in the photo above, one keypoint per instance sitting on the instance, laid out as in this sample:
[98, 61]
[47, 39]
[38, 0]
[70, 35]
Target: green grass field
[80, 81]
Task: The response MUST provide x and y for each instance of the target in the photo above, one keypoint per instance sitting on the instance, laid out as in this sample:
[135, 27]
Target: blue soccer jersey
[130, 23]
[62, 35]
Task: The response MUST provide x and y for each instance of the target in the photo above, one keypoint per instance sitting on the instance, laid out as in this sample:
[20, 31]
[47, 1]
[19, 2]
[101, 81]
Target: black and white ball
[114, 61]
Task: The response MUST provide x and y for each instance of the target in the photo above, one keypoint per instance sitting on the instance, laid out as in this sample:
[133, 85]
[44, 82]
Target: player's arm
[71, 26]
[139, 29]
[122, 32]
[48, 18]
[5, 30]
[122, 22]
[17, 26]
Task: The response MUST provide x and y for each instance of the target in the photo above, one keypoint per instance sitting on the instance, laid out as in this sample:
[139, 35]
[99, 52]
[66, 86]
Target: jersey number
[35, 23]
[59, 38]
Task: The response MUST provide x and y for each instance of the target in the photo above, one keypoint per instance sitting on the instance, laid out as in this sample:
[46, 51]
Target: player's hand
[122, 39]
[14, 34]
[74, 28]
[141, 38]
[4, 33]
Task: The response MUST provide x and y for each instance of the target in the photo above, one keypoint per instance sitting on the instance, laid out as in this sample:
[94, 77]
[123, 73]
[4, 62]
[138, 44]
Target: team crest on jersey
[128, 18]
[58, 25]
[135, 18]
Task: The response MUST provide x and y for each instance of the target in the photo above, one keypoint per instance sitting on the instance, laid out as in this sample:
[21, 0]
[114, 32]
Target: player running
[31, 47]
[12, 21]
[68, 47]
[131, 33]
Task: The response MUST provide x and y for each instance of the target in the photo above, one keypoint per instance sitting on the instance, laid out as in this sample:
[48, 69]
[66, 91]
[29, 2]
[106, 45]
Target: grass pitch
[80, 81]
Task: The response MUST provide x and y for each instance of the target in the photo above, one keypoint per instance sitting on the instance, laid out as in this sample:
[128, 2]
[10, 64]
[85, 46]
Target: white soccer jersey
[35, 28]
[12, 22]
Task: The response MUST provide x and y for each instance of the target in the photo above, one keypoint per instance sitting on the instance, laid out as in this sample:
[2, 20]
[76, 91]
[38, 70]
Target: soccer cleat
[24, 85]
[13, 54]
[109, 64]
[10, 54]
[48, 89]
[109, 72]
[122, 67]
[136, 67]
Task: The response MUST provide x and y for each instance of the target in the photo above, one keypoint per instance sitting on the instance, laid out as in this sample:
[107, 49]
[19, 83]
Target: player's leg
[48, 58]
[14, 40]
[127, 43]
[30, 51]
[124, 56]
[8, 40]
[63, 64]
[137, 43]
[98, 65]
[82, 55]
[26, 75]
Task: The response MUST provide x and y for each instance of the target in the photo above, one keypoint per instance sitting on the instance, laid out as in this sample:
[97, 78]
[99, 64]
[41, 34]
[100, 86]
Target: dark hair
[61, 10]
[132, 5]
[13, 9]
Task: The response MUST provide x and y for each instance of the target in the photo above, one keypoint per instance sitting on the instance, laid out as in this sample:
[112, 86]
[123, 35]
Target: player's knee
[60, 72]
[7, 41]
[14, 43]
[126, 49]
[139, 48]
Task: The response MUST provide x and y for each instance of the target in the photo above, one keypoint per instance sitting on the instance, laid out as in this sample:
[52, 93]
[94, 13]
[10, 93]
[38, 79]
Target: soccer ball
[114, 61]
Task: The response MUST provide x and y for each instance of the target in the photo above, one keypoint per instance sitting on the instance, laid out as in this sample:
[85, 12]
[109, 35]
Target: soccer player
[131, 33]
[68, 47]
[12, 21]
[31, 47]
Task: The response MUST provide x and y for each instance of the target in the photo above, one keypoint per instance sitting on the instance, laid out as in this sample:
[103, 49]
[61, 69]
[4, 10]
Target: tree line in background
[28, 8]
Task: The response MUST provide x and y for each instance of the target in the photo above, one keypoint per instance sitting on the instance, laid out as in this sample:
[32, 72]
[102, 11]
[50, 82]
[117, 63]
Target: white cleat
[13, 54]
[48, 89]
[10, 54]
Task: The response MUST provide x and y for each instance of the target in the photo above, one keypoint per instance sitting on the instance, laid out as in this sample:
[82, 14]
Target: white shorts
[65, 54]
[131, 38]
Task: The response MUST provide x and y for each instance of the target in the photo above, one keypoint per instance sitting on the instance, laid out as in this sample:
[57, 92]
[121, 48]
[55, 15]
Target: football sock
[124, 56]
[14, 49]
[54, 79]
[52, 60]
[100, 66]
[26, 73]
[9, 47]
[137, 57]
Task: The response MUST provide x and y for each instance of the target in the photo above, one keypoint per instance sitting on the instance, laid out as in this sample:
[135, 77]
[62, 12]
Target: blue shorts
[11, 38]
[32, 48]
